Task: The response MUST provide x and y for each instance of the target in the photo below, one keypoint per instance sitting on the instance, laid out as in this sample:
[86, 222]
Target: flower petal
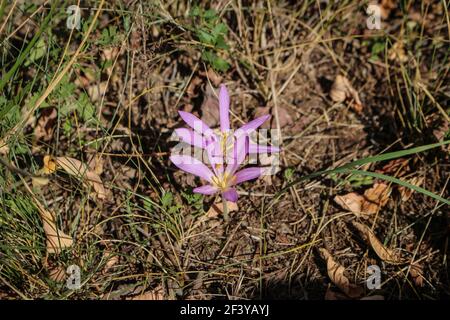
[193, 138]
[254, 124]
[258, 148]
[231, 195]
[206, 189]
[193, 166]
[197, 124]
[215, 157]
[224, 107]
[248, 174]
[238, 153]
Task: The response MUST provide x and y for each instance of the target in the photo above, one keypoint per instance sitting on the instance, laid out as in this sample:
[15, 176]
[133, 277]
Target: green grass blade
[381, 157]
[399, 182]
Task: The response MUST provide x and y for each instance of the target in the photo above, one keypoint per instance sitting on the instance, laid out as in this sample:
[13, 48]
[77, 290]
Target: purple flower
[225, 150]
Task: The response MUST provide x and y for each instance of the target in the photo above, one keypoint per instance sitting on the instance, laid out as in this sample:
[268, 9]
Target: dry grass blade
[336, 274]
[387, 255]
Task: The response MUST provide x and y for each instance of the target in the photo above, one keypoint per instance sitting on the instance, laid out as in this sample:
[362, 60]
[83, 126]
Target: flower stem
[225, 209]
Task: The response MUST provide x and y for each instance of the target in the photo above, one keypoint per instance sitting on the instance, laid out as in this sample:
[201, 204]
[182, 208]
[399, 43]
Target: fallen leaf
[48, 168]
[342, 90]
[376, 198]
[386, 7]
[397, 167]
[210, 108]
[351, 202]
[213, 76]
[386, 254]
[284, 117]
[111, 260]
[397, 52]
[78, 169]
[97, 91]
[405, 192]
[4, 148]
[336, 274]
[56, 239]
[416, 272]
[49, 165]
[368, 204]
[57, 273]
[217, 209]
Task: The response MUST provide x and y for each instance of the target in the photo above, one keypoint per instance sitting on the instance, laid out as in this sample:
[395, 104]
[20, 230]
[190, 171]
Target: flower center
[223, 181]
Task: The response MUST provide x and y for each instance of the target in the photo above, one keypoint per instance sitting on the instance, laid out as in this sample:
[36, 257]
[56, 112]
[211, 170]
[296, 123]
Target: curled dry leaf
[386, 7]
[111, 260]
[210, 108]
[48, 168]
[369, 203]
[57, 273]
[56, 239]
[79, 170]
[4, 148]
[405, 192]
[284, 117]
[397, 52]
[97, 91]
[342, 90]
[336, 274]
[217, 209]
[398, 167]
[416, 272]
[386, 254]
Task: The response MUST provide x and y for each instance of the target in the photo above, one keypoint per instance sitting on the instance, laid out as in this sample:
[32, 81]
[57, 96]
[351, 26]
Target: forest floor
[86, 127]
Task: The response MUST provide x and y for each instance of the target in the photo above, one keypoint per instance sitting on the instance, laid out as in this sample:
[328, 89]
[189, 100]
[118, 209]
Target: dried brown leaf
[210, 108]
[416, 272]
[336, 274]
[78, 169]
[386, 254]
[405, 192]
[217, 209]
[368, 204]
[111, 260]
[57, 273]
[56, 239]
[342, 90]
[4, 148]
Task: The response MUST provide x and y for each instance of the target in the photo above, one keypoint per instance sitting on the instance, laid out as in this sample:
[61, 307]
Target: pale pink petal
[207, 189]
[189, 136]
[257, 148]
[197, 124]
[215, 157]
[248, 174]
[254, 124]
[231, 195]
[193, 166]
[224, 108]
[237, 155]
